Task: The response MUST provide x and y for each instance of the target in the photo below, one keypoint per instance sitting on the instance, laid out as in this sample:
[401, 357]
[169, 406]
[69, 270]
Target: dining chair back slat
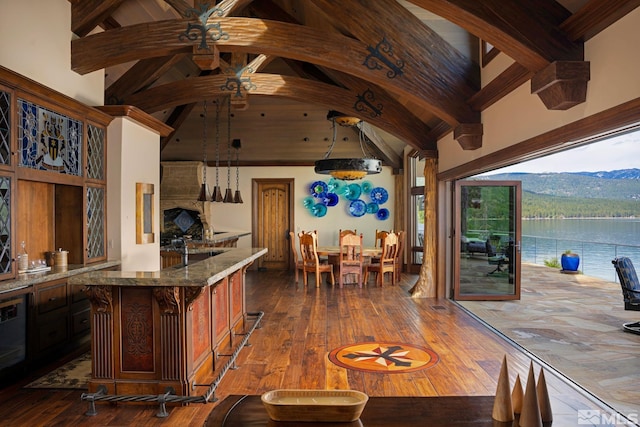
[351, 259]
[387, 261]
[380, 235]
[297, 261]
[310, 261]
[399, 255]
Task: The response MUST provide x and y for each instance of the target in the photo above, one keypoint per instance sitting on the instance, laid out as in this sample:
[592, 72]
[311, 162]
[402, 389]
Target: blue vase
[570, 262]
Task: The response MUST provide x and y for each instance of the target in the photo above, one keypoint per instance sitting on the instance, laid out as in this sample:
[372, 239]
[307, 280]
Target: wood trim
[615, 120]
[506, 82]
[595, 16]
[487, 53]
[139, 116]
[32, 90]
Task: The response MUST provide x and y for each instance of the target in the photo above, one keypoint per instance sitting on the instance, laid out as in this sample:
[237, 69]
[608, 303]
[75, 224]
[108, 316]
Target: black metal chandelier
[347, 168]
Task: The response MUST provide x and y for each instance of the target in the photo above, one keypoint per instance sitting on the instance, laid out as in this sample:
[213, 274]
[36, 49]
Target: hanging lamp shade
[228, 194]
[347, 168]
[237, 144]
[216, 195]
[204, 191]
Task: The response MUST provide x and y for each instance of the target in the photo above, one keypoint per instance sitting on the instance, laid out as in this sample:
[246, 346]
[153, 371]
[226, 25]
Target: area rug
[383, 357]
[72, 375]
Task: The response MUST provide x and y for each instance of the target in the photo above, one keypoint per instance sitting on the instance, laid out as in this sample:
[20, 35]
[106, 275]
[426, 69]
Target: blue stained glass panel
[48, 140]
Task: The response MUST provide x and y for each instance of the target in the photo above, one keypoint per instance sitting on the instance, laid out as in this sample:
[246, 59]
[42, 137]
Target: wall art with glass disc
[360, 199]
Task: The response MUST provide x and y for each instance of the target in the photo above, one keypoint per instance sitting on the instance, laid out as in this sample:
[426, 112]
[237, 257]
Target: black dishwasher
[13, 331]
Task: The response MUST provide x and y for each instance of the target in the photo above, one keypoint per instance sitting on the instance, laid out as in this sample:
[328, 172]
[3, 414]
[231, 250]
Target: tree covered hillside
[578, 195]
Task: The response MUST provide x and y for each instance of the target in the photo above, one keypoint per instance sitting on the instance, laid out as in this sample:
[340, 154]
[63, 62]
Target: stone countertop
[199, 246]
[200, 273]
[25, 280]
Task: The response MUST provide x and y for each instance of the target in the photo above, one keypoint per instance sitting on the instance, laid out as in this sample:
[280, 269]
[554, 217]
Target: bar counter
[25, 280]
[165, 330]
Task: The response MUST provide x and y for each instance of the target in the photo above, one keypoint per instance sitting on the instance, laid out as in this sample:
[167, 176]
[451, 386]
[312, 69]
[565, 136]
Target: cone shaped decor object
[516, 395]
[216, 196]
[543, 398]
[530, 415]
[237, 197]
[228, 196]
[204, 192]
[502, 408]
[203, 196]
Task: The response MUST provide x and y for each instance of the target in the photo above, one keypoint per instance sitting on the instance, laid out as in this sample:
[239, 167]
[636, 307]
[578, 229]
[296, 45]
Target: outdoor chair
[630, 289]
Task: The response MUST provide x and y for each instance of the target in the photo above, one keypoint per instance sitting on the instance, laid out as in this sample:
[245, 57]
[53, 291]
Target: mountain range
[623, 184]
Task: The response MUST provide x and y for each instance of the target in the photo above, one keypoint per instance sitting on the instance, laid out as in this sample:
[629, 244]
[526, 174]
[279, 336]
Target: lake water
[597, 241]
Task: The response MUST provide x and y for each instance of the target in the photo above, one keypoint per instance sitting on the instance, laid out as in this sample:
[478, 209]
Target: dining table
[333, 255]
[367, 251]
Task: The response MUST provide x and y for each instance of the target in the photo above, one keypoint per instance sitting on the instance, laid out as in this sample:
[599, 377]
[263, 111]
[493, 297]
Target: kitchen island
[164, 330]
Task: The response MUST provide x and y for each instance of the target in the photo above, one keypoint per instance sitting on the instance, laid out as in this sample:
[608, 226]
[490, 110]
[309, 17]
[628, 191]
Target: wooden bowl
[314, 405]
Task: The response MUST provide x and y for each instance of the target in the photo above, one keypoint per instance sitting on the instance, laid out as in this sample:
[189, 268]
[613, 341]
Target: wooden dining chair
[387, 261]
[351, 260]
[297, 261]
[310, 261]
[399, 255]
[345, 232]
[379, 236]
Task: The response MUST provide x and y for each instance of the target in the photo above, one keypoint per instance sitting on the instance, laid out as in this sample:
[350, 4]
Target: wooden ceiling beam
[197, 89]
[140, 75]
[88, 14]
[526, 30]
[386, 153]
[595, 16]
[377, 98]
[148, 40]
[511, 78]
[177, 117]
[450, 77]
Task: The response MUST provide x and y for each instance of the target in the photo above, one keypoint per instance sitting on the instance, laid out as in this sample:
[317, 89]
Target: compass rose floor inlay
[383, 357]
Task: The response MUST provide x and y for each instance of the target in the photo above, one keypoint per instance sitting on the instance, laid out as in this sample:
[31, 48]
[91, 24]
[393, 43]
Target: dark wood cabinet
[59, 319]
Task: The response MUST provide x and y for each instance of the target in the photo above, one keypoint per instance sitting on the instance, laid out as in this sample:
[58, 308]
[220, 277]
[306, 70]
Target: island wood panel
[162, 336]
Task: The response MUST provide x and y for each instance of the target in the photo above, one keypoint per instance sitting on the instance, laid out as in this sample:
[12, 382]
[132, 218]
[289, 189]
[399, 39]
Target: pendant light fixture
[204, 191]
[228, 195]
[216, 196]
[237, 144]
[351, 168]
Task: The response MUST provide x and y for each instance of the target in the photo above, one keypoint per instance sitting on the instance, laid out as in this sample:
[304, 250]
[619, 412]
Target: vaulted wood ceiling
[409, 69]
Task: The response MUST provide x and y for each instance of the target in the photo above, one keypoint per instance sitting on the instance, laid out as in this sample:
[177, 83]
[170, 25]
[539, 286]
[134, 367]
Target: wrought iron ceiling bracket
[202, 30]
[383, 52]
[366, 103]
[236, 83]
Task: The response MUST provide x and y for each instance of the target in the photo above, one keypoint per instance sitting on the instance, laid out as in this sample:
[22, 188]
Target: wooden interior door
[272, 220]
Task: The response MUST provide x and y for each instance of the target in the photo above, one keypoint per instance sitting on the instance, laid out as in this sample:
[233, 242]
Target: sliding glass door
[487, 240]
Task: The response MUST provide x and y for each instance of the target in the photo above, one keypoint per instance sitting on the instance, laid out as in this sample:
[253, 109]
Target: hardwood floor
[300, 327]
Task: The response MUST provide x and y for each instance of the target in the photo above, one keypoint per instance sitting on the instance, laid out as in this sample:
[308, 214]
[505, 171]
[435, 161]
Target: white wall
[36, 42]
[237, 217]
[522, 115]
[133, 156]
